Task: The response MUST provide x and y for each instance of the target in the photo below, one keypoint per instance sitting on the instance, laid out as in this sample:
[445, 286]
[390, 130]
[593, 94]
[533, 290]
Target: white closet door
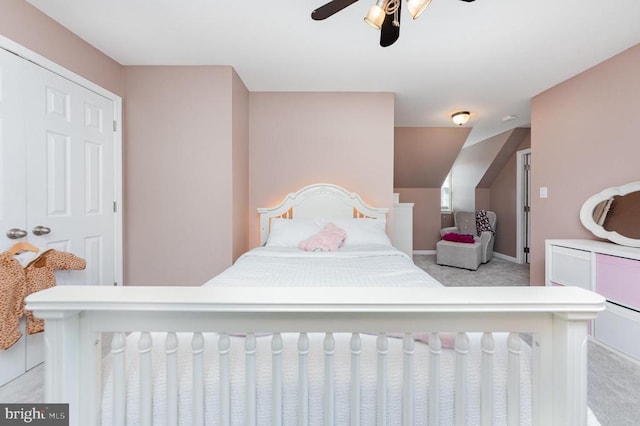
[12, 185]
[70, 174]
[57, 167]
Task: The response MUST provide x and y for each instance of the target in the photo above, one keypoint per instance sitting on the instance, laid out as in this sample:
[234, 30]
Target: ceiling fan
[383, 16]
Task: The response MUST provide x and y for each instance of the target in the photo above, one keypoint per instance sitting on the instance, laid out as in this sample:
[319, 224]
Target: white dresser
[608, 269]
[402, 226]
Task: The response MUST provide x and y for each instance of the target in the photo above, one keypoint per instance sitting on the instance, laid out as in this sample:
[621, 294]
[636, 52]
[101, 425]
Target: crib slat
[171, 351]
[382, 346]
[224, 345]
[462, 350]
[276, 379]
[435, 349]
[119, 378]
[356, 349]
[329, 384]
[303, 380]
[513, 379]
[197, 350]
[250, 379]
[487, 345]
[144, 350]
[408, 346]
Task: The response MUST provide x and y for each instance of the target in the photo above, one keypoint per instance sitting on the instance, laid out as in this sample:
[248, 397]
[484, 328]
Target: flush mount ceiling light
[460, 117]
[383, 16]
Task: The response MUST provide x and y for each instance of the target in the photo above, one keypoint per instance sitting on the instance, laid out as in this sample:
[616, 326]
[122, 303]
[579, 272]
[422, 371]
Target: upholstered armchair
[467, 255]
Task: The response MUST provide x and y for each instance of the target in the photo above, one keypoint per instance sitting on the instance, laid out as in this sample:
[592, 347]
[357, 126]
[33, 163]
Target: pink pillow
[329, 239]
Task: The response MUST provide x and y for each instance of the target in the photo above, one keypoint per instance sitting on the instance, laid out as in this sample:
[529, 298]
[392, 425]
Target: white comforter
[370, 266]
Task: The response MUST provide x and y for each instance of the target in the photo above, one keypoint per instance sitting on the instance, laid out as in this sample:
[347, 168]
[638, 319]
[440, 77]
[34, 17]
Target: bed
[285, 336]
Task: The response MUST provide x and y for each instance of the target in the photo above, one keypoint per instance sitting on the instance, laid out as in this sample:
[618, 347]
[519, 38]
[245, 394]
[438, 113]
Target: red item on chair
[458, 238]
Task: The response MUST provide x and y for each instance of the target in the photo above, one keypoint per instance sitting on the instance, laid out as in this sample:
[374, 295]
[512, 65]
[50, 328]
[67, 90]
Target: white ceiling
[490, 57]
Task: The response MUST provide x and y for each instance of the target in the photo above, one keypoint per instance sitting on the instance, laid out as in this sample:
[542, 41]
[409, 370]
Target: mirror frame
[586, 214]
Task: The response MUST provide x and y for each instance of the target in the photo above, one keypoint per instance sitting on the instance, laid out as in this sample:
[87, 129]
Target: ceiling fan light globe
[416, 7]
[375, 17]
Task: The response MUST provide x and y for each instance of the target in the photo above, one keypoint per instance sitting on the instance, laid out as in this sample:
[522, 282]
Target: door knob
[41, 230]
[16, 233]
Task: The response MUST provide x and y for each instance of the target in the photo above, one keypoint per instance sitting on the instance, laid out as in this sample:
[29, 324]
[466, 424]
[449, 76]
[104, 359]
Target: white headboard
[321, 200]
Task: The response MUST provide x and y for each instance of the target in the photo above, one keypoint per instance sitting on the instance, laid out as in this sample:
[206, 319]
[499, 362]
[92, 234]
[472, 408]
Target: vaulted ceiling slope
[513, 141]
[478, 165]
[490, 56]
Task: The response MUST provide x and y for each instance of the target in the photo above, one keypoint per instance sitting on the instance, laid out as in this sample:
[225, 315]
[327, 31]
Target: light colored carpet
[498, 272]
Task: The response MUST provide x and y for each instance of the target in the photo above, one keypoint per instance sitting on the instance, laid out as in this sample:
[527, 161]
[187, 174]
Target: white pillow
[289, 232]
[363, 231]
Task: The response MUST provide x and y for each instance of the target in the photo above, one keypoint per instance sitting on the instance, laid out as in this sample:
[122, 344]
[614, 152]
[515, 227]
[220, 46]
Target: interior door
[57, 165]
[70, 175]
[12, 185]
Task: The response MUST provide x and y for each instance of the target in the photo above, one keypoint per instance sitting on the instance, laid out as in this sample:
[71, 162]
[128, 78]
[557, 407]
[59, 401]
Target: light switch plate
[543, 192]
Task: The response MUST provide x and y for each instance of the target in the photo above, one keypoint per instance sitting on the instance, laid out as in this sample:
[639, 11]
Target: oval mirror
[614, 214]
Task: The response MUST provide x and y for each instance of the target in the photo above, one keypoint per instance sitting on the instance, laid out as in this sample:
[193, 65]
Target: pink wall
[178, 163]
[426, 215]
[27, 26]
[483, 199]
[582, 141]
[302, 138]
[240, 156]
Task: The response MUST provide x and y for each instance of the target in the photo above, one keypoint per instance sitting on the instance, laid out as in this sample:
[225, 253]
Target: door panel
[73, 195]
[58, 174]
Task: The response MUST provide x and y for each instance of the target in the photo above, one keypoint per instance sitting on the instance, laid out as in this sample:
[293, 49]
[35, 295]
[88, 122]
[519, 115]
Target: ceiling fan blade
[326, 10]
[389, 32]
[468, 1]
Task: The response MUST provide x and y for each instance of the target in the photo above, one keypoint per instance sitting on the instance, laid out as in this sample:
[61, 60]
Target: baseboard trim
[424, 252]
[505, 257]
[496, 254]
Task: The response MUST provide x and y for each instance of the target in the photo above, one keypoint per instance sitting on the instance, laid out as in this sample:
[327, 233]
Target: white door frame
[520, 193]
[40, 60]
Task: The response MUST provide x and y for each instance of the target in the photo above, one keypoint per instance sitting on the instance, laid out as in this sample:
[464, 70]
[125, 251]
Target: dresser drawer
[619, 328]
[618, 280]
[570, 267]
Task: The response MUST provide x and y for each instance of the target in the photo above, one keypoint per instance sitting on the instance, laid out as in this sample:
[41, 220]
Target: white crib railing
[557, 317]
